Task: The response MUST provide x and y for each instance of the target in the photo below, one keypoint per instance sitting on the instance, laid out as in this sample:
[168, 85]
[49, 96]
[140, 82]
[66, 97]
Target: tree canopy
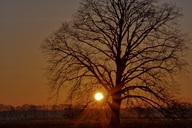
[132, 50]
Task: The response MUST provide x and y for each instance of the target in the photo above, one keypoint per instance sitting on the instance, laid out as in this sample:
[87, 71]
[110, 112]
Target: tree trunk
[115, 111]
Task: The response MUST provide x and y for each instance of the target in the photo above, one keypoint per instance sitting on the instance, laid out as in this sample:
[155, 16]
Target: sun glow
[99, 96]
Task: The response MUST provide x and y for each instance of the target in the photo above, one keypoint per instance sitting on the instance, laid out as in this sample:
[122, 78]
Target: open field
[164, 123]
[143, 123]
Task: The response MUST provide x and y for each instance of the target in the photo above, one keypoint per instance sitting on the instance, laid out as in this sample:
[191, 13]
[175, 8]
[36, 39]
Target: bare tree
[129, 49]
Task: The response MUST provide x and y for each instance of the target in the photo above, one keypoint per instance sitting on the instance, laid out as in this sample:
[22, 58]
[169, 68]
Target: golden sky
[24, 24]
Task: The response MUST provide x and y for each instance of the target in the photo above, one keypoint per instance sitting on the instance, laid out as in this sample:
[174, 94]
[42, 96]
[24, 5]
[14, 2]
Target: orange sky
[23, 26]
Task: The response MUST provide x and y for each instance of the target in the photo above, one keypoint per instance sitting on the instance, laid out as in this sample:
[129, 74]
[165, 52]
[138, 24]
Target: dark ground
[141, 123]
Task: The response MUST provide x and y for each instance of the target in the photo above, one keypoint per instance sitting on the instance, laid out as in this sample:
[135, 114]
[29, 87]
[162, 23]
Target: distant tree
[129, 49]
[25, 110]
[3, 109]
[181, 109]
[10, 112]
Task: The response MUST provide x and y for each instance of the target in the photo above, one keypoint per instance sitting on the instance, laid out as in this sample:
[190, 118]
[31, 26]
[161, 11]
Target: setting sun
[98, 96]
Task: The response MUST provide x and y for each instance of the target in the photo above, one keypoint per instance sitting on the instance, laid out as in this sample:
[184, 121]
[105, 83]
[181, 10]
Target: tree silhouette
[129, 49]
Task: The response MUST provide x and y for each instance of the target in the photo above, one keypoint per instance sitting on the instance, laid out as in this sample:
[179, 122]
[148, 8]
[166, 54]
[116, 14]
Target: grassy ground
[142, 123]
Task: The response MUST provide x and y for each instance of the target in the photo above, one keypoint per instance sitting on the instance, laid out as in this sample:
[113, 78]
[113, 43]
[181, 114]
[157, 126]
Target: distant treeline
[38, 112]
[67, 111]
